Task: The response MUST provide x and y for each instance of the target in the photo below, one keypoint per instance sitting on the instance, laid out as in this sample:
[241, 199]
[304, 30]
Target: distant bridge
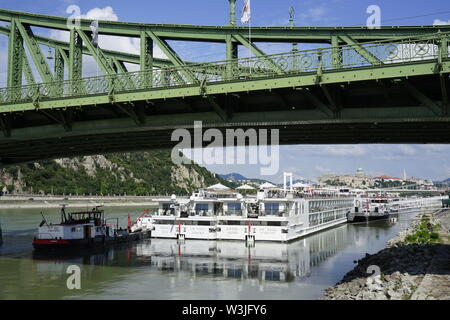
[386, 85]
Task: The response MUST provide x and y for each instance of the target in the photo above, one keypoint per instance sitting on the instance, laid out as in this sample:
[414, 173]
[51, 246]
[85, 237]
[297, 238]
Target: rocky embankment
[406, 269]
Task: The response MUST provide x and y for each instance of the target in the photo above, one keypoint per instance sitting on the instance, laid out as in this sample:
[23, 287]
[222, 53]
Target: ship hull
[52, 245]
[370, 218]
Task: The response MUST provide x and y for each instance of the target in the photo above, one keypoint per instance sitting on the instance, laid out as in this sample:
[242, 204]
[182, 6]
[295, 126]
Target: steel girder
[219, 33]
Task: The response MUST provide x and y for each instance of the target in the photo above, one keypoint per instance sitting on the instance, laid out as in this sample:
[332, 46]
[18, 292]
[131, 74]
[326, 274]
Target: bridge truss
[357, 85]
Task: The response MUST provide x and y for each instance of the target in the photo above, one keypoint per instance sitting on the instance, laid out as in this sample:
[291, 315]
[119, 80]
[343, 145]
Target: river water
[195, 269]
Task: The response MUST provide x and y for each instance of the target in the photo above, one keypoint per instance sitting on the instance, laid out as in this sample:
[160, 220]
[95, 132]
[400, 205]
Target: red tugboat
[85, 229]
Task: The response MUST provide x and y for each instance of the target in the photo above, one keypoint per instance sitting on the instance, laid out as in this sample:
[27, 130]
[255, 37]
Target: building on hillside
[358, 180]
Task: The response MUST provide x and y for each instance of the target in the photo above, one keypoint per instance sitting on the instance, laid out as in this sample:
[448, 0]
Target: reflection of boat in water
[80, 230]
[268, 261]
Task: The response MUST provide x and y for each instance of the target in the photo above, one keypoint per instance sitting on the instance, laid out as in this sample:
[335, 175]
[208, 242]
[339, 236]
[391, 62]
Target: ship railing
[232, 213]
[166, 212]
[48, 236]
[332, 210]
[274, 213]
[322, 209]
[281, 195]
[202, 213]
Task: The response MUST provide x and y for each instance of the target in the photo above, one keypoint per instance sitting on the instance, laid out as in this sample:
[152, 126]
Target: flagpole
[250, 36]
[250, 40]
[247, 18]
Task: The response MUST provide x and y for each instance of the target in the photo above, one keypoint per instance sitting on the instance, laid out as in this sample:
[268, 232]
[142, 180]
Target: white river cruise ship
[273, 214]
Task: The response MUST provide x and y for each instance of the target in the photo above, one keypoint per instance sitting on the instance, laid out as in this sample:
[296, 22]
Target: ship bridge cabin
[77, 225]
[216, 203]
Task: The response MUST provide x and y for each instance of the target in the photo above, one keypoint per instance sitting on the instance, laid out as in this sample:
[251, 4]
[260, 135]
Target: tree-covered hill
[139, 173]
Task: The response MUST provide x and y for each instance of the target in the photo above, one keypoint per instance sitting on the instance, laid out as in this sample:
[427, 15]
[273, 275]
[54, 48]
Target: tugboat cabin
[85, 225]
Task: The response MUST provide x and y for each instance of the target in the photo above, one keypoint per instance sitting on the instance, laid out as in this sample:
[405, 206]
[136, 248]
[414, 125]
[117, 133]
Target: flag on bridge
[246, 12]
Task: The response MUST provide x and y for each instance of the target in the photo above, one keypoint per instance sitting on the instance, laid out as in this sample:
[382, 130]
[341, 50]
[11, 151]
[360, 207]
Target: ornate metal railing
[277, 65]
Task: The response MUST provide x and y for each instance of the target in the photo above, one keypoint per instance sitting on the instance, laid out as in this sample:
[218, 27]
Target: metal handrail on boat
[38, 236]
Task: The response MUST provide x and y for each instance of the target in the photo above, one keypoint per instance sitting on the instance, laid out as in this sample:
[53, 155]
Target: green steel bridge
[358, 85]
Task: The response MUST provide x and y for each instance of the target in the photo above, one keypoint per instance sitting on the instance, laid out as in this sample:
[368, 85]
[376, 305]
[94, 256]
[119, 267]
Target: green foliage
[424, 233]
[139, 173]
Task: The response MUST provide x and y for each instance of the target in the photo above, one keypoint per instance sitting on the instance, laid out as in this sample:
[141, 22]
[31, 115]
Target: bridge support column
[443, 54]
[232, 54]
[75, 60]
[59, 70]
[336, 53]
[146, 60]
[16, 54]
[444, 48]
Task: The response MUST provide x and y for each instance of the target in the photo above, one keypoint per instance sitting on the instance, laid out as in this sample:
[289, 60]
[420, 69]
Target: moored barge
[85, 229]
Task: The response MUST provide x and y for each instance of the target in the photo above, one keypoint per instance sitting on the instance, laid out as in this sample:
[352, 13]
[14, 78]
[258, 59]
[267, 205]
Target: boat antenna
[43, 221]
[63, 212]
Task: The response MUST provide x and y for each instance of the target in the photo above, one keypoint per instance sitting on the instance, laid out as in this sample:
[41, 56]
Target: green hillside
[139, 173]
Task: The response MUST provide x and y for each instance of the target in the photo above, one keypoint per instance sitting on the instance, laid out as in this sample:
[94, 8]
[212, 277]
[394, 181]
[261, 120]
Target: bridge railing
[319, 60]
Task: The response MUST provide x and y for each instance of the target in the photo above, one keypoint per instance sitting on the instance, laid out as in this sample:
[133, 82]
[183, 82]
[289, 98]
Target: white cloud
[439, 22]
[122, 44]
[346, 150]
[322, 169]
[106, 13]
[407, 149]
[316, 13]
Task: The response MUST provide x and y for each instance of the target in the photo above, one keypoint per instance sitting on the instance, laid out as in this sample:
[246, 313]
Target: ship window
[203, 223]
[234, 273]
[273, 275]
[234, 208]
[272, 208]
[201, 207]
[274, 223]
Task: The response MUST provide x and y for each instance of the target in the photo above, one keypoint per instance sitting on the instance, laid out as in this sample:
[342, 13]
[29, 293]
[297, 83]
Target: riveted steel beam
[361, 50]
[29, 77]
[318, 103]
[97, 54]
[4, 126]
[443, 80]
[138, 117]
[332, 103]
[218, 33]
[417, 94]
[217, 108]
[336, 52]
[120, 68]
[16, 54]
[387, 71]
[75, 56]
[121, 56]
[258, 52]
[146, 59]
[173, 57]
[62, 117]
[35, 52]
[60, 60]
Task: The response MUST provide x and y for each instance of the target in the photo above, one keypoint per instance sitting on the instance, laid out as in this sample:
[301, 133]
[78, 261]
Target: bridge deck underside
[375, 111]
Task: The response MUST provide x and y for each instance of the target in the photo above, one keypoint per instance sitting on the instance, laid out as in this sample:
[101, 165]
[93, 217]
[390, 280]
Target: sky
[425, 161]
